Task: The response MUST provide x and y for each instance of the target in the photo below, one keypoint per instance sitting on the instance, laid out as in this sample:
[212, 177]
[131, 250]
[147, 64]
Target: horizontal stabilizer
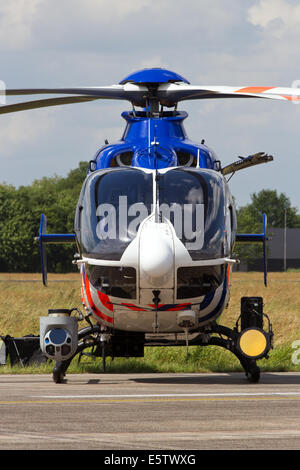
[257, 237]
[57, 238]
[44, 238]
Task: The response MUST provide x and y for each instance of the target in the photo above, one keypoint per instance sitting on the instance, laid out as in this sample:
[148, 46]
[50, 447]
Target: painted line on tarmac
[109, 399]
[175, 395]
[140, 398]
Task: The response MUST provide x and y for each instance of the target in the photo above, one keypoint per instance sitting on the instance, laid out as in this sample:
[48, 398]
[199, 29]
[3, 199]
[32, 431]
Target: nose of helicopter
[156, 254]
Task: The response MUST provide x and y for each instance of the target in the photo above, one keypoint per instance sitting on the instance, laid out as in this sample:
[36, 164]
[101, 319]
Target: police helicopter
[155, 230]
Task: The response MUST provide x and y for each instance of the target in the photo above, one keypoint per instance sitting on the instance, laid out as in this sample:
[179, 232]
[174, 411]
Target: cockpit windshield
[115, 202]
[194, 201]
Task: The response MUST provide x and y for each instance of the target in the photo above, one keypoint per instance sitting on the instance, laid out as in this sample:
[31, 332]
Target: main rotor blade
[169, 94]
[129, 91]
[111, 91]
[12, 108]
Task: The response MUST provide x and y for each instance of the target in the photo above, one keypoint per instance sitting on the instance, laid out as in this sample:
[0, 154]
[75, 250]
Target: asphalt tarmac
[150, 412]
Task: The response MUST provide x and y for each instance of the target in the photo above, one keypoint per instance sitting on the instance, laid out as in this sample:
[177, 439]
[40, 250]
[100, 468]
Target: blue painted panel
[169, 135]
[153, 75]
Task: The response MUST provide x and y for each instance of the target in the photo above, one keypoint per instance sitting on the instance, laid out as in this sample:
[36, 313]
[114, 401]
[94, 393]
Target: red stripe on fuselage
[105, 300]
[159, 307]
[134, 307]
[171, 309]
[92, 305]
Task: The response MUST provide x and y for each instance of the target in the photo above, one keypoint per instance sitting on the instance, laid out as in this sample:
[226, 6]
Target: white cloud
[278, 16]
[16, 20]
[20, 19]
[22, 129]
[120, 10]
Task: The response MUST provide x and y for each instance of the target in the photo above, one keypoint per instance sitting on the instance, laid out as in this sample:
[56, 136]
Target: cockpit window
[197, 281]
[115, 202]
[193, 200]
[122, 159]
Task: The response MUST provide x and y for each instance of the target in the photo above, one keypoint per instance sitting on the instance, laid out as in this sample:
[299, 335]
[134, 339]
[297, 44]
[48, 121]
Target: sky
[66, 43]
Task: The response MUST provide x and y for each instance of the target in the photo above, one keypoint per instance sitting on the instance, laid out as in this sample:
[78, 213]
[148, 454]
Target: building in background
[283, 251]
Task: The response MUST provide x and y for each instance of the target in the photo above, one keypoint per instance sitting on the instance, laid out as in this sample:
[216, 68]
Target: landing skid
[87, 338]
[227, 338]
[90, 337]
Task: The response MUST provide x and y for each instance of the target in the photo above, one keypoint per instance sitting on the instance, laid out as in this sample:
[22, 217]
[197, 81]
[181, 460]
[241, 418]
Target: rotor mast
[152, 79]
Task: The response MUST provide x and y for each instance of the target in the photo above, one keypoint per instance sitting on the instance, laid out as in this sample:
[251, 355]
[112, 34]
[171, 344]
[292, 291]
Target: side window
[122, 159]
[186, 158]
[115, 203]
[231, 225]
[228, 229]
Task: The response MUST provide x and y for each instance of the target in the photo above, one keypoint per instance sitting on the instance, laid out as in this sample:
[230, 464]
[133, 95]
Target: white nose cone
[156, 253]
[157, 259]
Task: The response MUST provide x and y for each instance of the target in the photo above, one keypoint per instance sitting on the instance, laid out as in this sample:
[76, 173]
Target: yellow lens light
[253, 342]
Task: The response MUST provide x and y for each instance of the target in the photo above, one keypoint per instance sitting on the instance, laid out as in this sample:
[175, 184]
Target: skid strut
[248, 341]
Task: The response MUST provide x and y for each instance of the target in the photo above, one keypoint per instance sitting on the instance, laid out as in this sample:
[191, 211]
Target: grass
[22, 303]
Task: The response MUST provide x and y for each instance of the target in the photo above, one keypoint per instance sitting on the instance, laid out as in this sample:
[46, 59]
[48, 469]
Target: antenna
[155, 144]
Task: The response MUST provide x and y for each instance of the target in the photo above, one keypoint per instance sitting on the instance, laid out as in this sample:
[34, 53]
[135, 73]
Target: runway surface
[150, 412]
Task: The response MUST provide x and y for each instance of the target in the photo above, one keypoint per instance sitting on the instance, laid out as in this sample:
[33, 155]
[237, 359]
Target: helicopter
[155, 231]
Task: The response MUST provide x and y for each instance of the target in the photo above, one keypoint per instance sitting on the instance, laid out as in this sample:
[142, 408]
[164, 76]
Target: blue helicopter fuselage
[151, 142]
[155, 239]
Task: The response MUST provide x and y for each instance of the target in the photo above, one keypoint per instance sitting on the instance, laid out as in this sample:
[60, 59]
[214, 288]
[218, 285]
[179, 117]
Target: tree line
[56, 197]
[20, 212]
[280, 213]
